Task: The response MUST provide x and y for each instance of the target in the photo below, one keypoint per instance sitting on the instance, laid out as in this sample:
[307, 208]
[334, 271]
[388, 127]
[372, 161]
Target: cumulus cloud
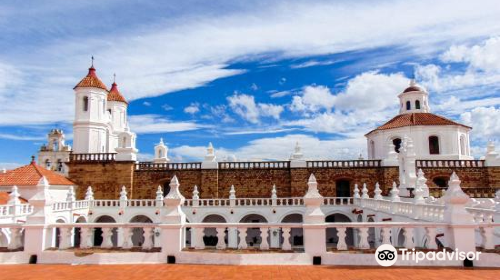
[313, 99]
[244, 105]
[192, 109]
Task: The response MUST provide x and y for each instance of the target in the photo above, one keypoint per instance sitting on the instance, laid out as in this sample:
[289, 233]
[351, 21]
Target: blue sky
[253, 77]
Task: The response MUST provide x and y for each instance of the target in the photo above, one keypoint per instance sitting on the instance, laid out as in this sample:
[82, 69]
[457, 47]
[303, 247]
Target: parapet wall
[255, 179]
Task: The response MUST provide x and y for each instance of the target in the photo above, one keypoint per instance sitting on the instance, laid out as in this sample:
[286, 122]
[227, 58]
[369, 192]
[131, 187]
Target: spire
[89, 195]
[114, 93]
[91, 80]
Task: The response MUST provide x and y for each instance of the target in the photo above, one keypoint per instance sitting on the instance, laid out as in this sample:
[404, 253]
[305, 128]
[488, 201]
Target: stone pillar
[297, 158]
[407, 170]
[173, 221]
[210, 174]
[460, 233]
[37, 235]
[314, 218]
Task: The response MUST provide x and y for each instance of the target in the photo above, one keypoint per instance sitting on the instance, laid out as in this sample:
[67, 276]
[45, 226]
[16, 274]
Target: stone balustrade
[148, 166]
[449, 163]
[96, 157]
[343, 163]
[15, 210]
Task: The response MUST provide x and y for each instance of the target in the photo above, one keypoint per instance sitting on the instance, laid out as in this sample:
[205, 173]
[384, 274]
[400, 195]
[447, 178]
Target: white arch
[215, 214]
[291, 212]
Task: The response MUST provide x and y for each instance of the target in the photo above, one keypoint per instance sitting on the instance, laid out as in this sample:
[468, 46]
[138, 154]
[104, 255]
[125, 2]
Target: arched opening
[4, 242]
[166, 187]
[371, 234]
[59, 165]
[397, 144]
[401, 239]
[433, 145]
[138, 233]
[47, 163]
[408, 105]
[417, 104]
[296, 234]
[331, 233]
[210, 234]
[253, 234]
[57, 239]
[98, 231]
[441, 181]
[342, 188]
[76, 236]
[85, 103]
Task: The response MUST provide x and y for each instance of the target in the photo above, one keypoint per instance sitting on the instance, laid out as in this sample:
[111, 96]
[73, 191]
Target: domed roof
[91, 80]
[115, 95]
[416, 119]
[413, 87]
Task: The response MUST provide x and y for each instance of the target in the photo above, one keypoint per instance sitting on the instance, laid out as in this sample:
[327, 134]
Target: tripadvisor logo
[387, 255]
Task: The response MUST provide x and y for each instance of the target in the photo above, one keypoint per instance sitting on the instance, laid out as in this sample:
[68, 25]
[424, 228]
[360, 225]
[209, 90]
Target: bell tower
[90, 125]
[414, 99]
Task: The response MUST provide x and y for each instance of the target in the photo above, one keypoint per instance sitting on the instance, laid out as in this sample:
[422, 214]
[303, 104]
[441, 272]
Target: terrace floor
[177, 271]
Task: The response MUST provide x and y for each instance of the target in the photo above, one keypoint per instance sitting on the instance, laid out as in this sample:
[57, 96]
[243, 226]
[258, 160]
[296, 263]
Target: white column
[408, 233]
[127, 238]
[221, 244]
[15, 239]
[148, 238]
[243, 238]
[264, 245]
[232, 237]
[386, 235]
[286, 239]
[430, 233]
[341, 234]
[107, 233]
[363, 238]
[199, 244]
[314, 234]
[275, 237]
[85, 237]
[65, 237]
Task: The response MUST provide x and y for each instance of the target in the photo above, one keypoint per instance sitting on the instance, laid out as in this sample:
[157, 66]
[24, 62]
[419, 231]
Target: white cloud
[484, 121]
[21, 137]
[313, 99]
[244, 105]
[280, 148]
[153, 58]
[192, 109]
[144, 124]
[484, 56]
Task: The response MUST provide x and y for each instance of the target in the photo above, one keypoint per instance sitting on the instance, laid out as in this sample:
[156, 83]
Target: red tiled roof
[4, 198]
[115, 95]
[415, 119]
[91, 80]
[412, 88]
[30, 174]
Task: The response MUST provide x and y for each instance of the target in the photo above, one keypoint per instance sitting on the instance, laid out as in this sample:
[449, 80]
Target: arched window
[397, 144]
[441, 182]
[433, 145]
[160, 154]
[47, 163]
[85, 103]
[59, 165]
[417, 104]
[408, 105]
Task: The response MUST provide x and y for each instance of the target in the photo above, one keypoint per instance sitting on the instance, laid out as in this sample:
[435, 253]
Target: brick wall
[107, 179]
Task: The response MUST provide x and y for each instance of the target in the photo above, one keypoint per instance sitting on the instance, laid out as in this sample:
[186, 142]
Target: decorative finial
[114, 78]
[92, 65]
[32, 159]
[412, 82]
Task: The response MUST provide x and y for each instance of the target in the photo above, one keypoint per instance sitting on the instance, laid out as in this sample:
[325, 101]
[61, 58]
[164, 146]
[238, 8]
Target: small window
[47, 164]
[441, 182]
[417, 104]
[433, 145]
[408, 105]
[59, 166]
[85, 103]
[397, 144]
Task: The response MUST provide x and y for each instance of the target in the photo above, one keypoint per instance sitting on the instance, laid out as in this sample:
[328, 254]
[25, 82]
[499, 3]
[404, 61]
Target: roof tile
[30, 174]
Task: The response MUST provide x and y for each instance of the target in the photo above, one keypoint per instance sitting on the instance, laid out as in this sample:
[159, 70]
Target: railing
[472, 192]
[149, 166]
[143, 239]
[97, 157]
[244, 202]
[449, 163]
[338, 201]
[70, 205]
[255, 165]
[15, 210]
[343, 163]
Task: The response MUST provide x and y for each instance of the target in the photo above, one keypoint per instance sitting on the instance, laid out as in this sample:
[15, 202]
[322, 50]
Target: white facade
[101, 124]
[434, 137]
[55, 153]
